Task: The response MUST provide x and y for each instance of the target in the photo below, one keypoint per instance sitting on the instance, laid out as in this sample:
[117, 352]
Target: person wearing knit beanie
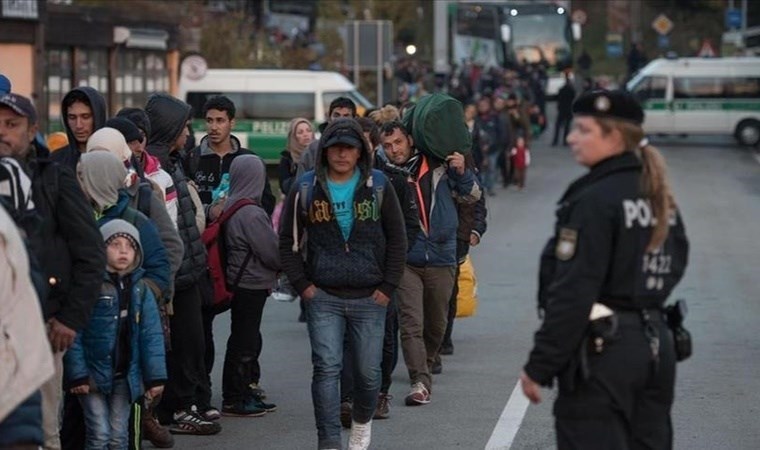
[119, 228]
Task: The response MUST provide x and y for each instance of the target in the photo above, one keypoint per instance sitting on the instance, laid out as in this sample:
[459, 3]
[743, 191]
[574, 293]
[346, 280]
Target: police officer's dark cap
[344, 131]
[20, 105]
[610, 104]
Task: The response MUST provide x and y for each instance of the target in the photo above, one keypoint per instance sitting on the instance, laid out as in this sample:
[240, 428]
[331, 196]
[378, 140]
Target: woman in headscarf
[300, 135]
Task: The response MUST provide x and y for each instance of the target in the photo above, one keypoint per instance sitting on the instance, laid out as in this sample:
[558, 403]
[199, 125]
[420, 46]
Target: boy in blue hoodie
[120, 355]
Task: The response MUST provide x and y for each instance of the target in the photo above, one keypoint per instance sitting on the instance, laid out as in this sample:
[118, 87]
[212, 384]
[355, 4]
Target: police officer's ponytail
[655, 185]
[654, 180]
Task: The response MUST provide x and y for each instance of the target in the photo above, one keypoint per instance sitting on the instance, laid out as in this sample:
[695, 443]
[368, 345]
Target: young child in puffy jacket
[120, 355]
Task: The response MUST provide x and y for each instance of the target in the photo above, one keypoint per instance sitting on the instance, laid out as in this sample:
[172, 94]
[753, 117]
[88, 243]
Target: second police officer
[618, 251]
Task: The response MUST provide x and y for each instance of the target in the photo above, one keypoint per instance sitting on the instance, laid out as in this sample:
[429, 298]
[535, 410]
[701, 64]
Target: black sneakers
[189, 421]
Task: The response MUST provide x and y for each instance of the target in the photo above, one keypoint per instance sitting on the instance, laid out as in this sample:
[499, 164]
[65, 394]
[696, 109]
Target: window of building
[139, 73]
[59, 71]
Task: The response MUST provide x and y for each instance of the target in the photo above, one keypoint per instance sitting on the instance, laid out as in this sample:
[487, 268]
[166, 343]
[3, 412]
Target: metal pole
[379, 25]
[744, 27]
[355, 24]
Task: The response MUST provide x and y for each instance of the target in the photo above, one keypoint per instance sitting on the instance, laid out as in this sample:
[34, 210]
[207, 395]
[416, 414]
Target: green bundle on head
[438, 127]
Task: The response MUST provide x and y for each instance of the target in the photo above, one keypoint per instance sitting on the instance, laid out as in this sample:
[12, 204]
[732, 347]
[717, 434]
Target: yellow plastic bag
[467, 298]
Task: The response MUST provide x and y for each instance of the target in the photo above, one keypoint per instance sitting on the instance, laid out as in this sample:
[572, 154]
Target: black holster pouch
[675, 315]
[598, 335]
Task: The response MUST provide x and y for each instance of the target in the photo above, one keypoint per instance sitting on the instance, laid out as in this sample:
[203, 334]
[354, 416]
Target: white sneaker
[282, 296]
[361, 433]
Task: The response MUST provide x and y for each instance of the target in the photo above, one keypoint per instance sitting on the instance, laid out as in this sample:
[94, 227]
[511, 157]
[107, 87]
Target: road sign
[579, 16]
[707, 50]
[663, 41]
[614, 45]
[733, 18]
[662, 25]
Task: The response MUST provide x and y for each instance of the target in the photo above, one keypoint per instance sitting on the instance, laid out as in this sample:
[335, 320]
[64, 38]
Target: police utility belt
[604, 322]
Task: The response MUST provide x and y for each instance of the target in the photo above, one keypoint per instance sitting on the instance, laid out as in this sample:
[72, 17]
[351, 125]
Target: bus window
[278, 106]
[649, 88]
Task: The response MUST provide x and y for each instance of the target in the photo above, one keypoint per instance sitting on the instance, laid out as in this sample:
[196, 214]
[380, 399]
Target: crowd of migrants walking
[134, 241]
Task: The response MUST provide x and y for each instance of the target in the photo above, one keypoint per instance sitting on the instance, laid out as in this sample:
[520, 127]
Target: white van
[266, 101]
[701, 96]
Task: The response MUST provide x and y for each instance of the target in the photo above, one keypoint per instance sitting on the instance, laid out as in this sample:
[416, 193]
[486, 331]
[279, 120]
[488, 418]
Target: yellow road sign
[662, 25]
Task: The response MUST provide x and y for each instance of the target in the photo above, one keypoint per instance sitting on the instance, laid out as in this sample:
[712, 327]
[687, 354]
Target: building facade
[49, 47]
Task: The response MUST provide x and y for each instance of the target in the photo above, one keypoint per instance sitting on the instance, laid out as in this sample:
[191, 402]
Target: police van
[701, 96]
[266, 101]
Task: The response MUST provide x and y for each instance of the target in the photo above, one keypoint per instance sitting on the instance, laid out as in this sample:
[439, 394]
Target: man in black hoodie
[84, 112]
[355, 254]
[187, 370]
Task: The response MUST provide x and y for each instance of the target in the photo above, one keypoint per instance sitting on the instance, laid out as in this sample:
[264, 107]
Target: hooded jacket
[111, 140]
[102, 178]
[168, 117]
[203, 166]
[250, 228]
[373, 256]
[69, 155]
[69, 249]
[93, 355]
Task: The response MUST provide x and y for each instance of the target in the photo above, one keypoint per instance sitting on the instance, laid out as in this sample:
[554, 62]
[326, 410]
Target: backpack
[144, 193]
[438, 127]
[305, 195]
[213, 239]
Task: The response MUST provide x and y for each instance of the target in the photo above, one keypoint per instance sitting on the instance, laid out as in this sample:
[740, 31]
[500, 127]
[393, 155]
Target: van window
[361, 103]
[693, 87]
[651, 88]
[259, 105]
[196, 100]
[282, 106]
[743, 88]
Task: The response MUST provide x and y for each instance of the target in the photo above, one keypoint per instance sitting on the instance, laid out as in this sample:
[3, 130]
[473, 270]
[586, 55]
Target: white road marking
[509, 423]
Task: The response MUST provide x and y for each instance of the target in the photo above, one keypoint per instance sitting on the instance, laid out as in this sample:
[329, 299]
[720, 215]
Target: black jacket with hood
[69, 156]
[70, 246]
[206, 168]
[168, 117]
[373, 257]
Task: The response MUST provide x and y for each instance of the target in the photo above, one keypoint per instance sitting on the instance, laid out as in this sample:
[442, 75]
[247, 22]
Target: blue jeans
[106, 417]
[492, 171]
[328, 318]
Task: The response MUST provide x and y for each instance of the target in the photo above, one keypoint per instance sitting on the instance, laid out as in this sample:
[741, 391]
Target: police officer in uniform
[618, 251]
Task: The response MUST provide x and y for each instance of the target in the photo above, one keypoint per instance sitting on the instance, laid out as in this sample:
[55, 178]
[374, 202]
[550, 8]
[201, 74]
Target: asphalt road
[717, 186]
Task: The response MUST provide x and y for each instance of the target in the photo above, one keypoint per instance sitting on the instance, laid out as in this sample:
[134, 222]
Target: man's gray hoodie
[250, 228]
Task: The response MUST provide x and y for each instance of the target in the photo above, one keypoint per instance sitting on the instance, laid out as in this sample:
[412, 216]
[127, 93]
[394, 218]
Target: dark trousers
[563, 121]
[185, 362]
[204, 391]
[521, 175]
[387, 364]
[452, 313]
[626, 402]
[463, 248]
[241, 361]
